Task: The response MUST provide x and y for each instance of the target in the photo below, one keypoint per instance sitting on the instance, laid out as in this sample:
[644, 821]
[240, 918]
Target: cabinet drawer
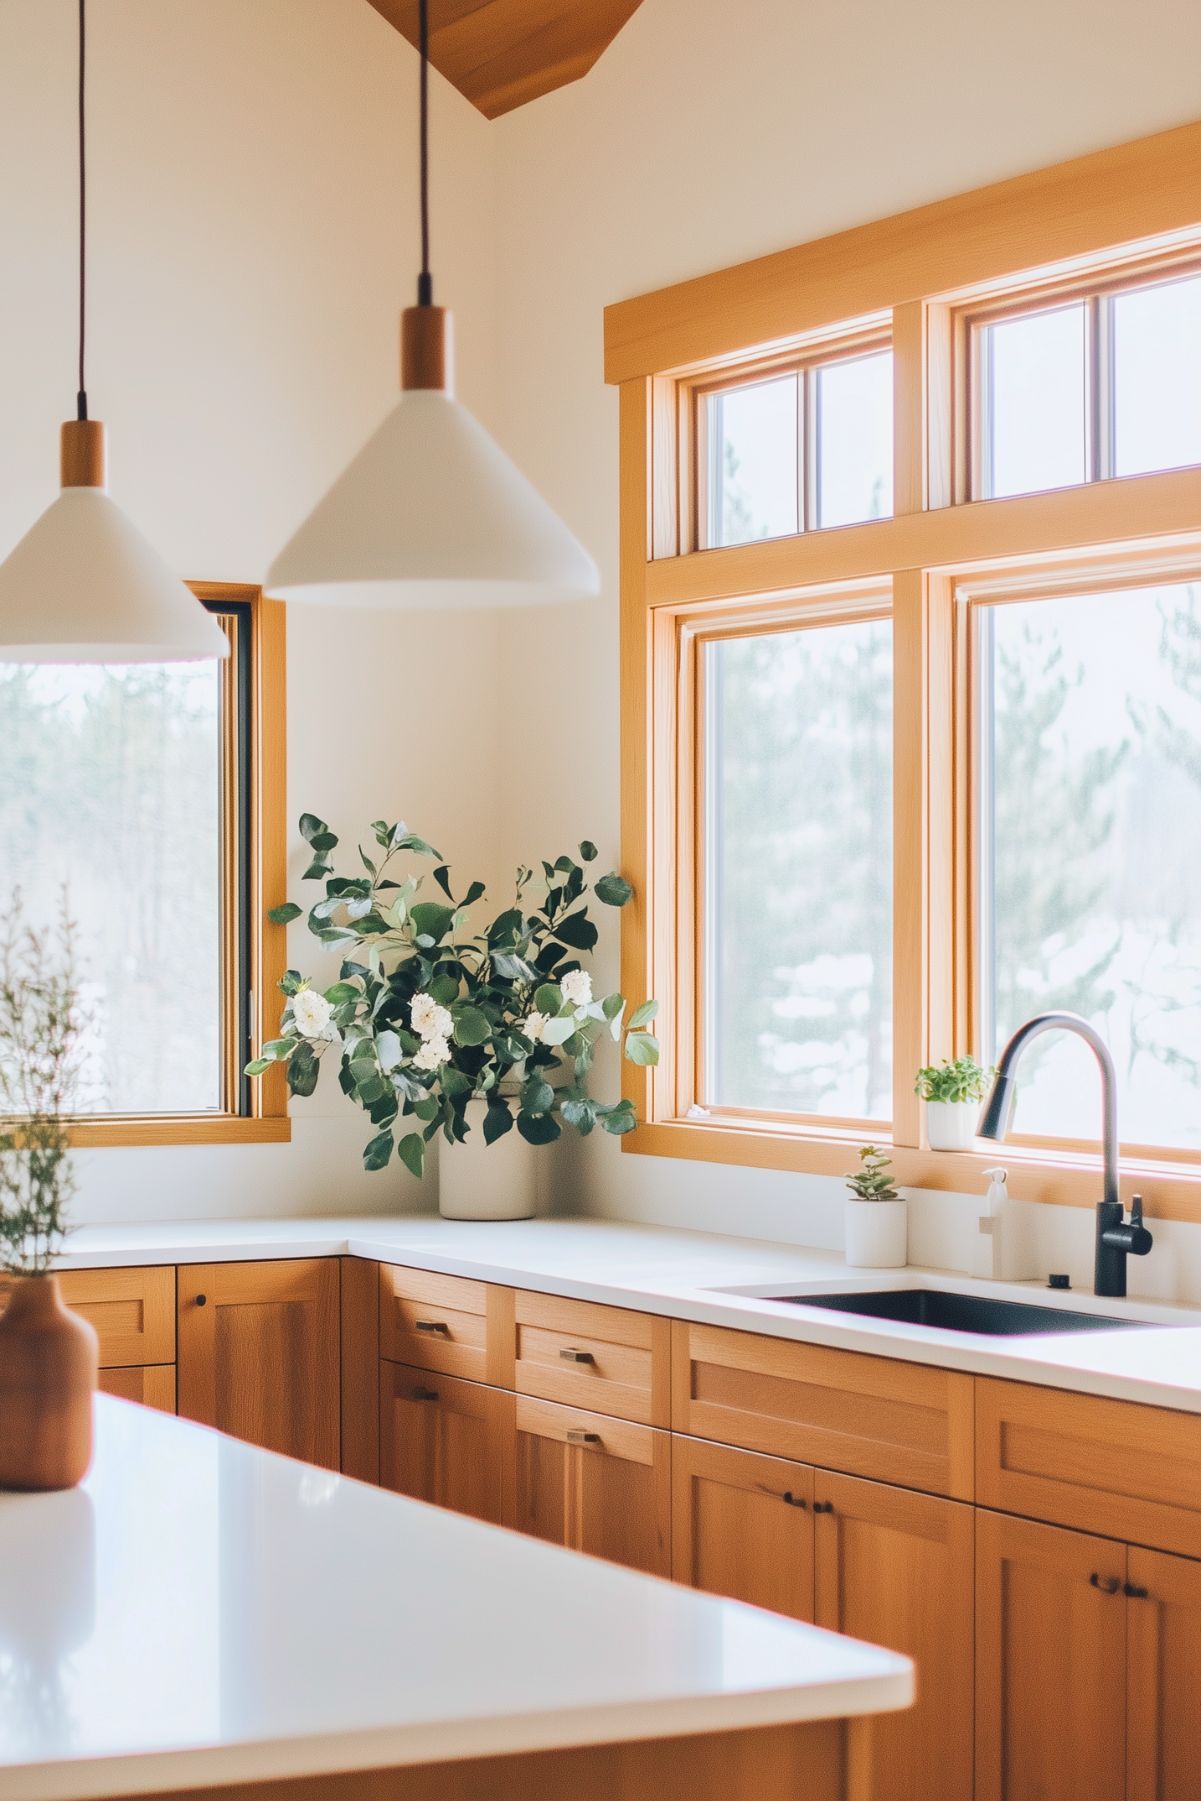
[870, 1416]
[153, 1384]
[447, 1441]
[434, 1322]
[603, 1358]
[1117, 1467]
[133, 1311]
[594, 1483]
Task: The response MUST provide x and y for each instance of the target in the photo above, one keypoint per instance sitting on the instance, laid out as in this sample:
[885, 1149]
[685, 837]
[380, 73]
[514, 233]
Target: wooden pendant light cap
[426, 348]
[83, 454]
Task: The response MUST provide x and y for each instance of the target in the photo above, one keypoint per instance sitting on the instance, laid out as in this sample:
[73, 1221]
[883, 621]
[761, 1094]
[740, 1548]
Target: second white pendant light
[431, 512]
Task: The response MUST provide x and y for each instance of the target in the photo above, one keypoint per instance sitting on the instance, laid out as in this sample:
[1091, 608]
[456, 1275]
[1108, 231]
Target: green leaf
[388, 1050]
[619, 1121]
[411, 1151]
[431, 920]
[643, 1015]
[580, 1112]
[258, 1067]
[497, 1121]
[537, 1096]
[475, 892]
[548, 998]
[578, 931]
[379, 1151]
[444, 988]
[312, 828]
[507, 926]
[558, 1031]
[588, 851]
[283, 916]
[341, 992]
[278, 1050]
[471, 1026]
[442, 877]
[539, 1128]
[643, 1049]
[410, 841]
[291, 981]
[613, 890]
[303, 1069]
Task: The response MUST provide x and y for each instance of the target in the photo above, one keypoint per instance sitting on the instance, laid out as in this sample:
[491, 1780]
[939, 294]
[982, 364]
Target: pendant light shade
[432, 513]
[84, 586]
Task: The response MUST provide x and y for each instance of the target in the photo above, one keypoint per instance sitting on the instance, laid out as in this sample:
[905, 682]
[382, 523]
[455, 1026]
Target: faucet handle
[1136, 1210]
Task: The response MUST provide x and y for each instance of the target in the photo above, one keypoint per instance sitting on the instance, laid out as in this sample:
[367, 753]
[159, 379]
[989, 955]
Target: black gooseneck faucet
[1117, 1237]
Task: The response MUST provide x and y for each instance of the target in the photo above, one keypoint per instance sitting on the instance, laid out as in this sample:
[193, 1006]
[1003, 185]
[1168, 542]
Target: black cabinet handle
[577, 1436]
[201, 1300]
[1134, 1591]
[432, 1325]
[1108, 1585]
[569, 1354]
[823, 1507]
[425, 1394]
[794, 1500]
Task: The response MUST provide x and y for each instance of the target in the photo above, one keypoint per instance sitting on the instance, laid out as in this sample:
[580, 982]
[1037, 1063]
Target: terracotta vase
[47, 1377]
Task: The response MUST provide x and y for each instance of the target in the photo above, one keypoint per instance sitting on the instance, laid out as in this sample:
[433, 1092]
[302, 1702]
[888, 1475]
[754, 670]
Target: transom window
[1104, 384]
[796, 451]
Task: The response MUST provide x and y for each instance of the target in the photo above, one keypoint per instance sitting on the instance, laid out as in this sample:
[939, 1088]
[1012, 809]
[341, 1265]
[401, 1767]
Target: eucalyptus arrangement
[426, 1018]
[962, 1079]
[39, 1068]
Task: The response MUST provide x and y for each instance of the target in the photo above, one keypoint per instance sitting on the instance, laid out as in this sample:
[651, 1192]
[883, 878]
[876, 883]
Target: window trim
[1119, 208]
[264, 844]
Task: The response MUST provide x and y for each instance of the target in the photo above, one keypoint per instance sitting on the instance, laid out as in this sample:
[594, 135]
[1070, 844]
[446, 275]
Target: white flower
[429, 1019]
[533, 1026]
[311, 1013]
[433, 1054]
[577, 988]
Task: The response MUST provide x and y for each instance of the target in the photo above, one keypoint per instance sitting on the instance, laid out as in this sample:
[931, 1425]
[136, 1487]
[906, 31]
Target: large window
[892, 788]
[135, 792]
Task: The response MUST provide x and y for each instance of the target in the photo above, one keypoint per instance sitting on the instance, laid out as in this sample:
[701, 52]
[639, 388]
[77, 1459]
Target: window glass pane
[1157, 377]
[797, 907]
[112, 786]
[1033, 402]
[1091, 873]
[854, 440]
[753, 461]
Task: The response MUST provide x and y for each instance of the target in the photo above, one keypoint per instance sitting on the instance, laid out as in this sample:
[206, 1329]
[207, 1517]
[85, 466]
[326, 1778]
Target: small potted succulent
[483, 1039]
[876, 1218]
[953, 1092]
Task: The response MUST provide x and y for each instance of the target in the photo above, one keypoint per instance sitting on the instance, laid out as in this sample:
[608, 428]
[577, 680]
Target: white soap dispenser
[1004, 1255]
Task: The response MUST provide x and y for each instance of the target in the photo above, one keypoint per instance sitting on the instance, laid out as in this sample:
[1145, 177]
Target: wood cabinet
[594, 1483]
[896, 1568]
[742, 1525]
[133, 1311]
[447, 1441]
[1163, 1677]
[607, 1359]
[1050, 1663]
[259, 1353]
[151, 1384]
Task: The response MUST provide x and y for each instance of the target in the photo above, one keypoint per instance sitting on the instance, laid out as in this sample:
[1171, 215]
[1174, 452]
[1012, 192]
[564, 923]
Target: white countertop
[709, 1278]
[205, 1612]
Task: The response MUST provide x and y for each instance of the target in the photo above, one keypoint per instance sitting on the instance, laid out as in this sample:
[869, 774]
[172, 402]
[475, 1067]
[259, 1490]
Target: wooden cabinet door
[258, 1353]
[1163, 1716]
[594, 1484]
[1050, 1663]
[153, 1385]
[896, 1568]
[742, 1525]
[447, 1441]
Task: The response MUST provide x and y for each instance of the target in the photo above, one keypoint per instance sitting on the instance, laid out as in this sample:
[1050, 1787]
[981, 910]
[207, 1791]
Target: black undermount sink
[961, 1312]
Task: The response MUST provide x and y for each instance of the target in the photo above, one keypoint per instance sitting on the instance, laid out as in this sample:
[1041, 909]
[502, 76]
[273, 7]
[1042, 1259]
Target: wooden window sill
[94, 1134]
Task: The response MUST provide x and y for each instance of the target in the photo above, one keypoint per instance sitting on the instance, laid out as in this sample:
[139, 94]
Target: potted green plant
[47, 1353]
[953, 1091]
[484, 1039]
[875, 1217]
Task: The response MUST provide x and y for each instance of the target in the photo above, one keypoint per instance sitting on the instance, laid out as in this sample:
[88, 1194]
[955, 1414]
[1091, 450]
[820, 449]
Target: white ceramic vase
[877, 1234]
[486, 1181]
[951, 1125]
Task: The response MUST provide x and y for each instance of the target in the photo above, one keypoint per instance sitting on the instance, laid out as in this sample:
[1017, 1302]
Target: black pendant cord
[81, 398]
[425, 281]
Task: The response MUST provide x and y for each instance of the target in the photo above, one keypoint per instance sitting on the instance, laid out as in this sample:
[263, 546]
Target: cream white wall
[253, 234]
[709, 133]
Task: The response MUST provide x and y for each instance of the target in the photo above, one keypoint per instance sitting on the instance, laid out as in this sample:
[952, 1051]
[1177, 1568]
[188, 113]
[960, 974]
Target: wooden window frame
[1133, 208]
[266, 1118]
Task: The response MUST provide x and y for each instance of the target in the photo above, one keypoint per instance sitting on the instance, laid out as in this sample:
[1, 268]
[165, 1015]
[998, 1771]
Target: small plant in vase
[476, 1037]
[953, 1091]
[876, 1217]
[47, 1354]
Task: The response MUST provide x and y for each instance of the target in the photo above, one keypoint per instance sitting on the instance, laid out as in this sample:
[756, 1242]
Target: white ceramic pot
[877, 1234]
[486, 1181]
[951, 1125]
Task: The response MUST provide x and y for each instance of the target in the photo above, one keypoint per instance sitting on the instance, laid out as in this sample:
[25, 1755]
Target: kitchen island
[204, 1615]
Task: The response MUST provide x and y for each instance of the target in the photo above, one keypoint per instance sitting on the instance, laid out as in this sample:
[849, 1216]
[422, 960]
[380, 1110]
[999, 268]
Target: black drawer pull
[1135, 1592]
[1108, 1585]
[201, 1300]
[432, 1325]
[426, 1394]
[794, 1500]
[823, 1507]
[569, 1354]
[577, 1436]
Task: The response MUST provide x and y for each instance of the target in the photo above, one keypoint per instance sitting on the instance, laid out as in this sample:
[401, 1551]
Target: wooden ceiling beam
[502, 53]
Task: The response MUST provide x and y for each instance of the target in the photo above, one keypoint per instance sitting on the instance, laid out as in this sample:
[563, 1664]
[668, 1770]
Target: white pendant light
[431, 512]
[83, 585]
